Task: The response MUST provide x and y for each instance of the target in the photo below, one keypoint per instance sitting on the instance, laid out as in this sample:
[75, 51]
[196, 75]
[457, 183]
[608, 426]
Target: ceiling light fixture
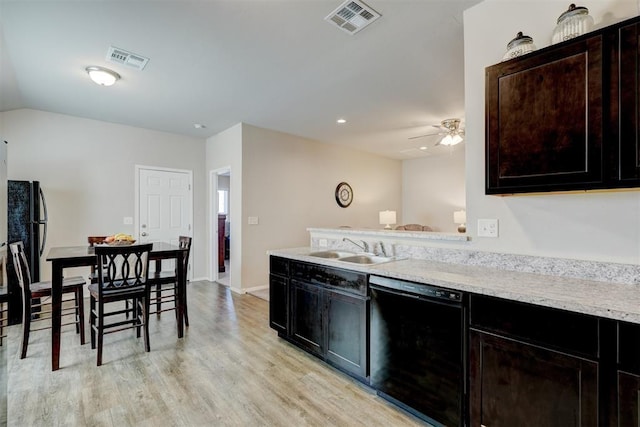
[341, 121]
[102, 76]
[199, 126]
[451, 139]
[454, 134]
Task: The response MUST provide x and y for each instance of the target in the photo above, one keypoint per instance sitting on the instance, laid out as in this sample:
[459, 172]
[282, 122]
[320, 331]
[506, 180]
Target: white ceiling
[272, 64]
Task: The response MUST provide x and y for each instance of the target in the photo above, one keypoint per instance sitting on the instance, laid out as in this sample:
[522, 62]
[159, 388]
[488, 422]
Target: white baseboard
[256, 288]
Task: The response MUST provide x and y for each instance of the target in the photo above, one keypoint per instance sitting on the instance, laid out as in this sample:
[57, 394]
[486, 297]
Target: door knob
[143, 234]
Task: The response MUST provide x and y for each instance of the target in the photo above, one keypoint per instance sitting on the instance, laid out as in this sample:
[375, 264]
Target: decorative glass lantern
[575, 22]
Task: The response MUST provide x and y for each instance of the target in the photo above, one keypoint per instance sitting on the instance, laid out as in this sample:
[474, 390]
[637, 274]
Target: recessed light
[341, 121]
[199, 126]
[102, 76]
[423, 148]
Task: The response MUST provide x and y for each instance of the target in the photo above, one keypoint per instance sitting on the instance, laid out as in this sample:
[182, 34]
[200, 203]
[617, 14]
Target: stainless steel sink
[367, 259]
[352, 257]
[332, 254]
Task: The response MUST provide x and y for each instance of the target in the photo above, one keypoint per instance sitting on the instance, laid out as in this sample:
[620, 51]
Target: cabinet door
[278, 303]
[628, 398]
[516, 384]
[544, 116]
[306, 316]
[347, 332]
[628, 167]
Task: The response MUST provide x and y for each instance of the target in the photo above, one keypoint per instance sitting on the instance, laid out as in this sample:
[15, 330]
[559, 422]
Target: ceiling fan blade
[426, 134]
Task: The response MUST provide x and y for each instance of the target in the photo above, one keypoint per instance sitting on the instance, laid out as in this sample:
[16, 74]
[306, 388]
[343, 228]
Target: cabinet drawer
[279, 266]
[558, 329]
[345, 280]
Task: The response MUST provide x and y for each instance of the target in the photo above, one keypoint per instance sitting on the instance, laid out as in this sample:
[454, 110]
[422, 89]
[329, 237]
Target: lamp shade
[451, 139]
[387, 218]
[460, 217]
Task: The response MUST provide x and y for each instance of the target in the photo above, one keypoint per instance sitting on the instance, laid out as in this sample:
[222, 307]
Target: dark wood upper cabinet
[565, 117]
[628, 163]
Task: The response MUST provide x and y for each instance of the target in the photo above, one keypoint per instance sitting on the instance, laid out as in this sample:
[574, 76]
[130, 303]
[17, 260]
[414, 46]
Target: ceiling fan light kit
[451, 131]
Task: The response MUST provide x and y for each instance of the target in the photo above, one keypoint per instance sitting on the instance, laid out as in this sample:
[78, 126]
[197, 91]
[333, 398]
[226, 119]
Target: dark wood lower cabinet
[324, 311]
[278, 308]
[518, 384]
[332, 325]
[306, 316]
[347, 332]
[628, 399]
[628, 374]
[528, 365]
[279, 295]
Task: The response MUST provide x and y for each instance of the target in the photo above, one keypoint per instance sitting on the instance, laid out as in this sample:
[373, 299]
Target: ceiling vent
[121, 56]
[352, 16]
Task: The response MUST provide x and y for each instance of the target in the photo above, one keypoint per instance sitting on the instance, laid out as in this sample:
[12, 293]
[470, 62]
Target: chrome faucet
[383, 252]
[364, 246]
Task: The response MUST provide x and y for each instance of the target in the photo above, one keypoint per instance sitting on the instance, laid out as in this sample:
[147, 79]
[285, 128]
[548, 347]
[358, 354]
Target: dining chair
[93, 241]
[122, 275]
[33, 294]
[4, 296]
[4, 316]
[164, 284]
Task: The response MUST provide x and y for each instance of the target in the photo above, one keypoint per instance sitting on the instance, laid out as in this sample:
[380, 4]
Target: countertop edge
[602, 299]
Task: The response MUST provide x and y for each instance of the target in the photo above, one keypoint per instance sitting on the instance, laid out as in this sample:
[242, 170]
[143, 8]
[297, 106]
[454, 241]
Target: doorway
[221, 225]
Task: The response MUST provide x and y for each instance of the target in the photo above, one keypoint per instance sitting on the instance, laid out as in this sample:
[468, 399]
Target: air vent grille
[121, 56]
[352, 16]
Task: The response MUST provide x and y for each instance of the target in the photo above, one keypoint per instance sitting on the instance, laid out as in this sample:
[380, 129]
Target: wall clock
[344, 194]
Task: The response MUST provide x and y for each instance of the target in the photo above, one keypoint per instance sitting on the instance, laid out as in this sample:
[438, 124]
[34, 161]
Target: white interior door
[165, 205]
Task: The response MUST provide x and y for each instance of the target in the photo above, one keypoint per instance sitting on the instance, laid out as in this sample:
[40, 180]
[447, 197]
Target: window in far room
[223, 202]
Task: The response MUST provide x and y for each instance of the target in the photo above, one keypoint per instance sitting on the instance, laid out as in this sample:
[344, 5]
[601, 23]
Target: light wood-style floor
[230, 369]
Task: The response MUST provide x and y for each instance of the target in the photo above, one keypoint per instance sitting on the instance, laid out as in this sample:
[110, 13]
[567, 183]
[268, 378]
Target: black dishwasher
[418, 341]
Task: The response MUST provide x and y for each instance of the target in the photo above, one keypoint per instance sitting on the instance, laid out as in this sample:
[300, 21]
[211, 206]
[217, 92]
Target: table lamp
[387, 218]
[460, 217]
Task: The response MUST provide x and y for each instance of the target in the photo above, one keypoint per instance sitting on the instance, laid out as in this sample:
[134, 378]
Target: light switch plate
[487, 228]
[253, 220]
[127, 220]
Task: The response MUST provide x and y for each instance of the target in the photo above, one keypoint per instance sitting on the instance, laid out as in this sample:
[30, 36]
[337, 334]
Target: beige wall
[86, 168]
[289, 182]
[590, 226]
[432, 188]
[224, 151]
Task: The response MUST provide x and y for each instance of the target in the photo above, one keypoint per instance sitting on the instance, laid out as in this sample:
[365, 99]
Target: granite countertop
[604, 299]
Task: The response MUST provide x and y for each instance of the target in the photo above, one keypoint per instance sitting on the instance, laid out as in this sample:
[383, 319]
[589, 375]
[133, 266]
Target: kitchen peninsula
[569, 329]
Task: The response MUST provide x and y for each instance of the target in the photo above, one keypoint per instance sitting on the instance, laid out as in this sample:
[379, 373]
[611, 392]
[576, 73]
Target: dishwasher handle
[395, 292]
[415, 290]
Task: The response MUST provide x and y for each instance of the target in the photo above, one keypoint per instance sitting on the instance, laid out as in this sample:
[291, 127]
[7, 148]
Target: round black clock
[344, 194]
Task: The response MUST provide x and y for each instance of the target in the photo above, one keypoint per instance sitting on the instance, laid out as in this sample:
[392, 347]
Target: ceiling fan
[450, 129]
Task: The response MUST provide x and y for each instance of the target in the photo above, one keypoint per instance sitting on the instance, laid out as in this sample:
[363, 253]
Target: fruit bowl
[120, 239]
[121, 243]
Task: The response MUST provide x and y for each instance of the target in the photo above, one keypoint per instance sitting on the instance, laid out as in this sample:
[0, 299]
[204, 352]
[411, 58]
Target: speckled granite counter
[611, 300]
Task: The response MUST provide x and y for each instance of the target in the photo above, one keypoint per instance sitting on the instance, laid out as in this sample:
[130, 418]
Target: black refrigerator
[26, 222]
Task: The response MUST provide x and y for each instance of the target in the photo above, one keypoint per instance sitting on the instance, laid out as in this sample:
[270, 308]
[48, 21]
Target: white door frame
[213, 226]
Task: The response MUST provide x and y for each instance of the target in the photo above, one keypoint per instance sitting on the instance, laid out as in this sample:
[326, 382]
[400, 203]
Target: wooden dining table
[84, 256]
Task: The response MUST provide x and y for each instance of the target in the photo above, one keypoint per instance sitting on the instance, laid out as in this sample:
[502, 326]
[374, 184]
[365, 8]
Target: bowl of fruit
[120, 239]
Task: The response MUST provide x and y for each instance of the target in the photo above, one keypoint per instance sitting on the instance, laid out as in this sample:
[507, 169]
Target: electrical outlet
[127, 220]
[253, 220]
[487, 228]
[322, 243]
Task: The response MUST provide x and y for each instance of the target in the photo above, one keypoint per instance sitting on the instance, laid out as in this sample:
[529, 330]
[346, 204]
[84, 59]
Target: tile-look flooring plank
[230, 369]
